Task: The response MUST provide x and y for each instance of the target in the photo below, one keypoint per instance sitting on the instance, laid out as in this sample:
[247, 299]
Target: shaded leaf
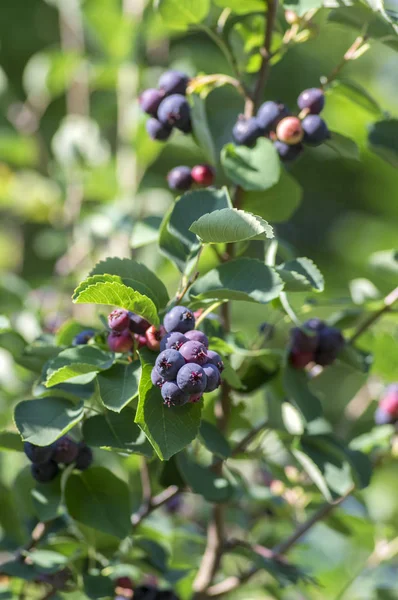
[383, 139]
[300, 274]
[204, 481]
[214, 440]
[278, 203]
[255, 168]
[119, 385]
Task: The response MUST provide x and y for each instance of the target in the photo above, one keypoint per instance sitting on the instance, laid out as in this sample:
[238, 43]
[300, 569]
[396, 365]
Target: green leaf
[178, 14]
[98, 499]
[255, 168]
[44, 420]
[241, 8]
[278, 203]
[240, 279]
[119, 385]
[230, 225]
[47, 560]
[295, 384]
[77, 361]
[10, 441]
[383, 139]
[117, 431]
[12, 341]
[47, 499]
[204, 481]
[98, 587]
[314, 472]
[214, 440]
[201, 128]
[300, 274]
[339, 146]
[356, 16]
[231, 376]
[106, 289]
[145, 231]
[356, 93]
[168, 429]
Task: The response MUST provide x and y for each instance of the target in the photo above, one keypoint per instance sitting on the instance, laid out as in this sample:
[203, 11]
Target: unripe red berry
[120, 341]
[153, 337]
[124, 582]
[389, 403]
[290, 131]
[141, 341]
[119, 319]
[203, 174]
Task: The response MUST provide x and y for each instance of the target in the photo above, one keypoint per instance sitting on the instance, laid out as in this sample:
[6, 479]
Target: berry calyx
[157, 131]
[150, 100]
[119, 319]
[153, 337]
[180, 178]
[173, 341]
[120, 341]
[179, 318]
[290, 131]
[203, 174]
[192, 379]
[315, 130]
[174, 111]
[172, 395]
[194, 352]
[168, 364]
[246, 131]
[312, 100]
[173, 82]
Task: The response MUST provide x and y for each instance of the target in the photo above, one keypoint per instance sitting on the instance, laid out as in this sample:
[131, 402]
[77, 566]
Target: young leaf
[301, 274]
[383, 139]
[278, 203]
[230, 225]
[169, 430]
[295, 384]
[178, 14]
[214, 440]
[203, 480]
[77, 361]
[255, 168]
[119, 385]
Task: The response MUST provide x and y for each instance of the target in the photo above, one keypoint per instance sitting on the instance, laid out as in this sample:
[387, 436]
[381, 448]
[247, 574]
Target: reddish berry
[141, 341]
[124, 582]
[119, 319]
[153, 337]
[290, 131]
[203, 174]
[120, 341]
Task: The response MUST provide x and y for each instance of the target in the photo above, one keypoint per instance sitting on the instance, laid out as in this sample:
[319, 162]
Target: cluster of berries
[182, 178]
[185, 368]
[128, 328]
[287, 131]
[125, 589]
[387, 411]
[46, 460]
[167, 106]
[315, 342]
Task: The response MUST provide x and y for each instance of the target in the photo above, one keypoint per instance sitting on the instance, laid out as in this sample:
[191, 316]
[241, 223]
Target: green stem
[208, 310]
[288, 309]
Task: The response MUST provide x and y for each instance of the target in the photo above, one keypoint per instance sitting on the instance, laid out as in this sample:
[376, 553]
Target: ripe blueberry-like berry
[192, 379]
[288, 153]
[168, 363]
[213, 377]
[315, 324]
[194, 352]
[119, 319]
[246, 131]
[153, 337]
[312, 99]
[303, 345]
[269, 114]
[120, 341]
[197, 336]
[173, 82]
[83, 337]
[45, 472]
[84, 458]
[289, 131]
[179, 178]
[215, 359]
[174, 111]
[157, 131]
[194, 398]
[330, 343]
[173, 341]
[203, 174]
[38, 454]
[138, 324]
[150, 100]
[179, 319]
[315, 130]
[156, 378]
[65, 450]
[173, 395]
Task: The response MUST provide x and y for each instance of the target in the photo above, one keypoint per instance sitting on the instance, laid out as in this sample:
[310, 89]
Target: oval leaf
[301, 274]
[230, 225]
[255, 168]
[119, 385]
[178, 14]
[74, 362]
[203, 481]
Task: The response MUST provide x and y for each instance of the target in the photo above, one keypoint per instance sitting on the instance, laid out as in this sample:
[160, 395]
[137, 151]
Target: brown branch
[154, 503]
[389, 302]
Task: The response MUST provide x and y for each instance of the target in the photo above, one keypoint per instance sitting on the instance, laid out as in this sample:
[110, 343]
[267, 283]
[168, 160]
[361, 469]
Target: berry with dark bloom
[179, 178]
[173, 395]
[315, 324]
[65, 450]
[246, 131]
[213, 377]
[312, 99]
[156, 378]
[174, 111]
[198, 336]
[150, 100]
[315, 130]
[153, 337]
[119, 319]
[179, 319]
[45, 472]
[215, 359]
[194, 398]
[120, 341]
[269, 114]
[288, 153]
[83, 337]
[290, 131]
[173, 341]
[84, 458]
[303, 345]
[203, 174]
[192, 379]
[157, 130]
[173, 82]
[138, 324]
[330, 343]
[194, 352]
[168, 364]
[38, 454]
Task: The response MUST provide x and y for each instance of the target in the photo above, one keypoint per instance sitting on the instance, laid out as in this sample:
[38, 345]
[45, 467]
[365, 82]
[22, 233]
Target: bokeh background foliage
[80, 180]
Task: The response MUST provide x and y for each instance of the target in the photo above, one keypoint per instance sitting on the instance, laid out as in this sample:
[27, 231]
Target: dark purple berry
[194, 398]
[65, 450]
[172, 395]
[174, 504]
[157, 131]
[119, 319]
[173, 341]
[174, 111]
[83, 337]
[315, 130]
[168, 363]
[192, 379]
[330, 343]
[312, 99]
[84, 458]
[288, 153]
[156, 378]
[213, 377]
[45, 472]
[215, 359]
[138, 324]
[382, 417]
[269, 114]
[197, 336]
[38, 454]
[246, 131]
[179, 178]
[150, 100]
[173, 82]
[179, 319]
[194, 352]
[120, 341]
[315, 324]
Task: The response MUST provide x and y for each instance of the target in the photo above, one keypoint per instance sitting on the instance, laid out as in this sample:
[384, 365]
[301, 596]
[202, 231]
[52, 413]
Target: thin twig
[272, 9]
[348, 56]
[157, 501]
[389, 302]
